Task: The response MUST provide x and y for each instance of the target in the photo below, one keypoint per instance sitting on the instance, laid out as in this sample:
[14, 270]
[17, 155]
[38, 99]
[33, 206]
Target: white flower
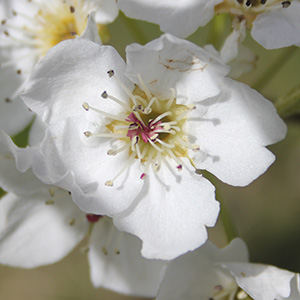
[274, 23]
[40, 224]
[28, 30]
[149, 127]
[219, 274]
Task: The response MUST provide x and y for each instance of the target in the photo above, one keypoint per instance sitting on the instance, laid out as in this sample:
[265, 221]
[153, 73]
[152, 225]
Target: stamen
[172, 98]
[165, 114]
[104, 135]
[125, 167]
[87, 107]
[177, 160]
[183, 114]
[194, 147]
[155, 146]
[157, 164]
[114, 152]
[144, 87]
[148, 109]
[111, 73]
[105, 96]
[165, 144]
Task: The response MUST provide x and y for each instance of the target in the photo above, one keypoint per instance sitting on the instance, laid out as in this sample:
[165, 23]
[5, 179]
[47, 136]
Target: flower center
[150, 129]
[249, 9]
[233, 292]
[46, 24]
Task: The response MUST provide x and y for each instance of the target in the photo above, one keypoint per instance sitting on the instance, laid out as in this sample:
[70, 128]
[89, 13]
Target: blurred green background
[266, 214]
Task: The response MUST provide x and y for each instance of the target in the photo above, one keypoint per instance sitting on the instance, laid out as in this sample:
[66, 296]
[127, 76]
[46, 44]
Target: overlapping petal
[181, 17]
[116, 262]
[169, 62]
[234, 131]
[278, 28]
[171, 213]
[33, 233]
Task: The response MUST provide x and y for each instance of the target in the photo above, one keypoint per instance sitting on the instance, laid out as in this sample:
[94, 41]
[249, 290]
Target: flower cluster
[121, 153]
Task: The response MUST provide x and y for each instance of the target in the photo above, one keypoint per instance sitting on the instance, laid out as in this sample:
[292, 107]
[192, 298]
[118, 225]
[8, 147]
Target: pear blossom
[274, 23]
[28, 30]
[212, 273]
[130, 140]
[40, 225]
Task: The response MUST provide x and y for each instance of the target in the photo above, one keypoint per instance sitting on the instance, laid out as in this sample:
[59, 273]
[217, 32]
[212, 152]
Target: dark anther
[263, 2]
[249, 2]
[286, 4]
[111, 73]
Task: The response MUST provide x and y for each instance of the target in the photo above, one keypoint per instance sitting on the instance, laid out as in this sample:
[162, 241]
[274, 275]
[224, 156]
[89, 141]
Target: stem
[226, 219]
[217, 28]
[289, 104]
[135, 29]
[269, 74]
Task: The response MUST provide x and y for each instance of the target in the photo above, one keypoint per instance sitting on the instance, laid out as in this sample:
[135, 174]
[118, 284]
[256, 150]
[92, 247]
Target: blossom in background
[274, 23]
[40, 225]
[130, 141]
[219, 274]
[28, 30]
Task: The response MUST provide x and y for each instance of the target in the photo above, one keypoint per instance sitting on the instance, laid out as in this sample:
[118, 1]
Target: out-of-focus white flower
[149, 127]
[219, 274]
[274, 23]
[40, 224]
[28, 30]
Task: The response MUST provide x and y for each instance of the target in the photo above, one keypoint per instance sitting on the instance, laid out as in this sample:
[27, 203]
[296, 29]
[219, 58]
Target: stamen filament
[144, 87]
[165, 114]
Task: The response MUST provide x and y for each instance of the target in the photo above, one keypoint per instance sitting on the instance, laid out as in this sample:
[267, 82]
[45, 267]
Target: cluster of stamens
[249, 9]
[150, 129]
[44, 25]
[232, 292]
[253, 3]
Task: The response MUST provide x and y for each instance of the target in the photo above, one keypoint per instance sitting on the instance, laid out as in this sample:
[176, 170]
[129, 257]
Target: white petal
[261, 282]
[171, 214]
[34, 234]
[107, 12]
[37, 132]
[278, 28]
[195, 275]
[23, 157]
[243, 63]
[65, 149]
[11, 180]
[122, 268]
[295, 288]
[62, 82]
[230, 48]
[169, 62]
[234, 132]
[181, 17]
[91, 30]
[14, 115]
